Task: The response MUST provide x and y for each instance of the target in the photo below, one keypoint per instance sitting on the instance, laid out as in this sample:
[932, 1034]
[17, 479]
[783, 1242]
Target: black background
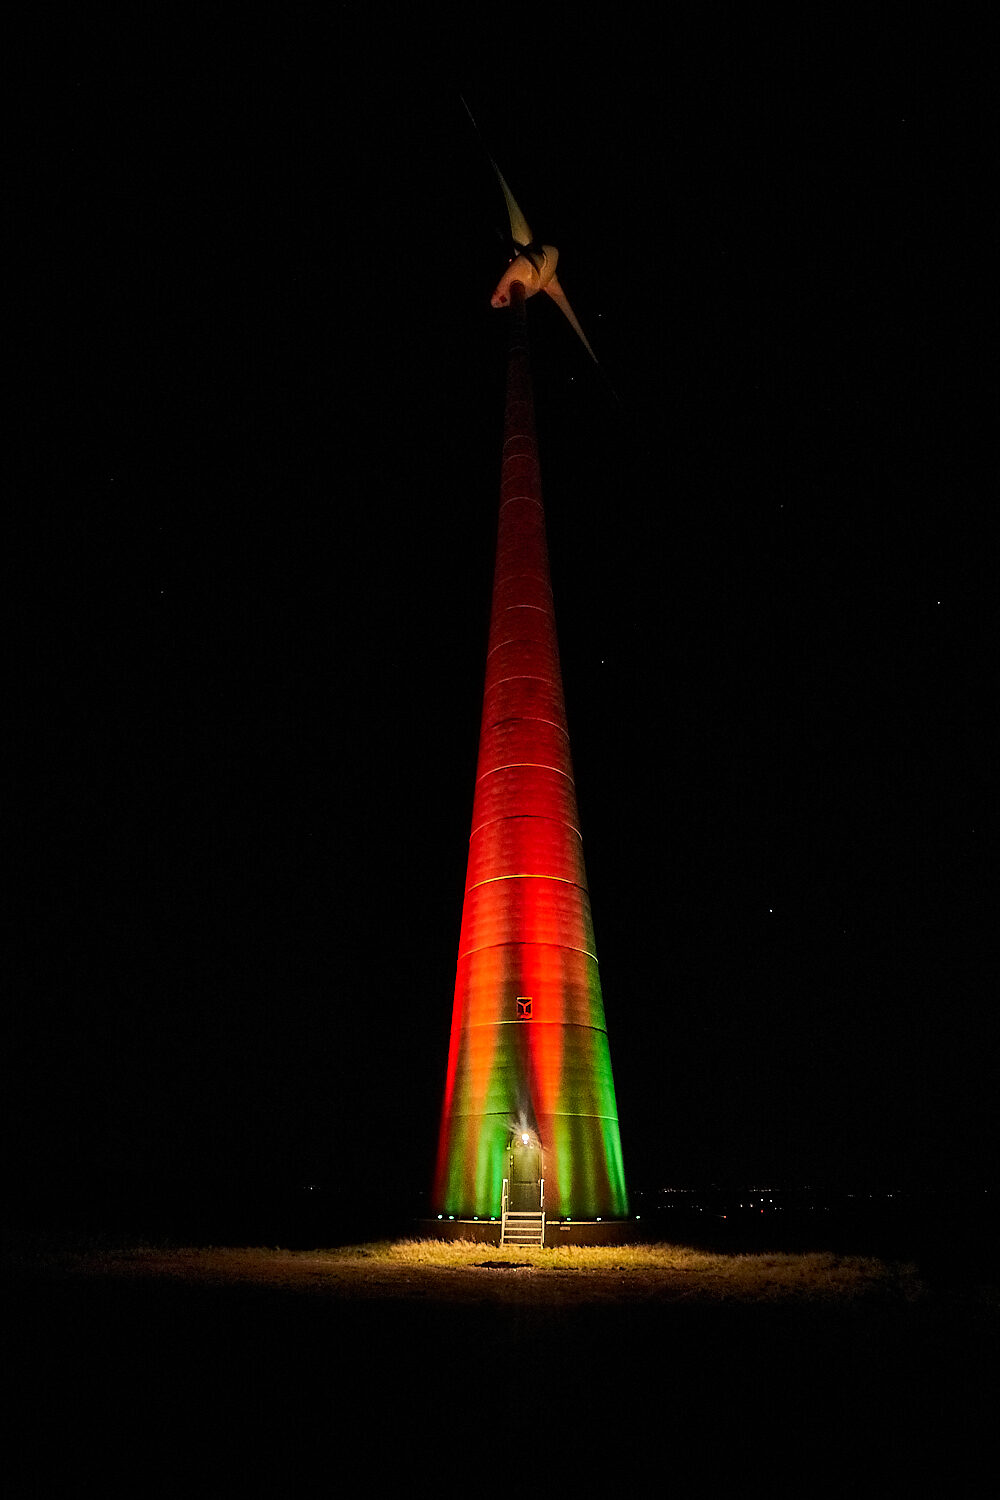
[252, 551]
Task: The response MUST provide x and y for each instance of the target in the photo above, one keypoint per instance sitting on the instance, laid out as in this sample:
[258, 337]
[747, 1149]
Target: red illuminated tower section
[529, 1047]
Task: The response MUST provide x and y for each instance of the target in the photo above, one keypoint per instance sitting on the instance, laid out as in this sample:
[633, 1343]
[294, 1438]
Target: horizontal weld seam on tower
[579, 1114]
[554, 1114]
[509, 817]
[524, 875]
[519, 640]
[504, 723]
[516, 765]
[536, 576]
[528, 719]
[527, 943]
[542, 817]
[532, 578]
[567, 1026]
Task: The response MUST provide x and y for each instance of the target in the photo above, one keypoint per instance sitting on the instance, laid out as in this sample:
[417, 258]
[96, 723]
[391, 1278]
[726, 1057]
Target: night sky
[252, 562]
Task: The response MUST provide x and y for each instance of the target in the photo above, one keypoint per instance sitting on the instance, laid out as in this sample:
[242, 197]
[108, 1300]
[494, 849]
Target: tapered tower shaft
[529, 1047]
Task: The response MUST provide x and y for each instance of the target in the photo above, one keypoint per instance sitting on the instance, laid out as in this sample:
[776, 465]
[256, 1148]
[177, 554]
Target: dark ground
[147, 1383]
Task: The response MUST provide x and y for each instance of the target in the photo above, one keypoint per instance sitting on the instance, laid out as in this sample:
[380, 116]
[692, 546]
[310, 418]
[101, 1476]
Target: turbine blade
[559, 297]
[520, 229]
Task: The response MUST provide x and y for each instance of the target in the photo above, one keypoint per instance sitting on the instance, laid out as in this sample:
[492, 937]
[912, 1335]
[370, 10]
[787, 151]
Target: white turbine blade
[520, 229]
[559, 297]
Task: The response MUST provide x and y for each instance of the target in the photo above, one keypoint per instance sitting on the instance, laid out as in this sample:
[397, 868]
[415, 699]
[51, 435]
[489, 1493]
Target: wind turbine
[531, 263]
[529, 1125]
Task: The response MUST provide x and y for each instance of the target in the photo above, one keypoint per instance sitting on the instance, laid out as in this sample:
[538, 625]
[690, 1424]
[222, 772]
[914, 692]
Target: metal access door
[525, 1176]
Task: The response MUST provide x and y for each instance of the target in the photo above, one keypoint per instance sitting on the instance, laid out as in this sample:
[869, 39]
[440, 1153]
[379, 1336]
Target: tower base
[557, 1231]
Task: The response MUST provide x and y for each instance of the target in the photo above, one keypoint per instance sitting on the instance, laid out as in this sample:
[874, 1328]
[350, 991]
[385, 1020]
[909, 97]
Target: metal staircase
[522, 1227]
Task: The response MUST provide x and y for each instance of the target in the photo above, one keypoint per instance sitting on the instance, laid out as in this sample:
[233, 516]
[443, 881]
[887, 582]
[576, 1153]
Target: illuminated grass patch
[815, 1275]
[467, 1271]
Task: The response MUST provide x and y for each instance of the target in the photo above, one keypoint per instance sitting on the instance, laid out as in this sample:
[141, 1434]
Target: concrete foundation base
[557, 1231]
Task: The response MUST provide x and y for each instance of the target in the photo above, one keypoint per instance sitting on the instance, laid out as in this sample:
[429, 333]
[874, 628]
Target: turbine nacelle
[533, 266]
[532, 263]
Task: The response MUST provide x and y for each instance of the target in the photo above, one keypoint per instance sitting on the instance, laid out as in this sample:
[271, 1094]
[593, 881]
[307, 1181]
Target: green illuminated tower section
[529, 1045]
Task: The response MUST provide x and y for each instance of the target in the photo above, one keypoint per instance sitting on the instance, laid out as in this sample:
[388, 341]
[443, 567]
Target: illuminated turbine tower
[529, 1048]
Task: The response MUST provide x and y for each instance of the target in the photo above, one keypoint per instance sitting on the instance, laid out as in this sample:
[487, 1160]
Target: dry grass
[673, 1269]
[464, 1271]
